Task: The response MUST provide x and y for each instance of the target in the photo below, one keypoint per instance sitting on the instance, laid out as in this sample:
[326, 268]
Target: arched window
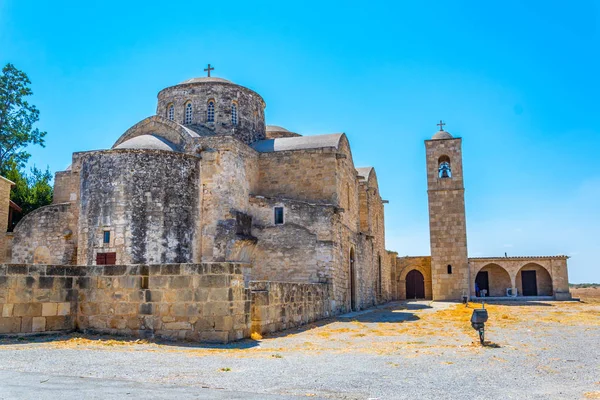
[234, 116]
[210, 112]
[171, 112]
[444, 169]
[188, 113]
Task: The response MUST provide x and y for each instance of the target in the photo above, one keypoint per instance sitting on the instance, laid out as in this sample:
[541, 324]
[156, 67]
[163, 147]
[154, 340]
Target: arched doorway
[534, 280]
[493, 279]
[352, 281]
[415, 285]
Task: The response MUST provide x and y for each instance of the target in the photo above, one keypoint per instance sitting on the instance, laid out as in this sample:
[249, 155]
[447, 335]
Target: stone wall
[280, 305]
[5, 242]
[206, 302]
[229, 174]
[307, 175]
[147, 199]
[46, 236]
[199, 302]
[37, 298]
[300, 249]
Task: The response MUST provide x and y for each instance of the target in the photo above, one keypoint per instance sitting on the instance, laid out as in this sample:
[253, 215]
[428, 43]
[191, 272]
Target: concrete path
[26, 386]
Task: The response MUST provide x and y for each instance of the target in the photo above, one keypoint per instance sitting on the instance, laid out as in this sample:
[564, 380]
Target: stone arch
[159, 126]
[415, 285]
[41, 255]
[401, 280]
[543, 280]
[498, 279]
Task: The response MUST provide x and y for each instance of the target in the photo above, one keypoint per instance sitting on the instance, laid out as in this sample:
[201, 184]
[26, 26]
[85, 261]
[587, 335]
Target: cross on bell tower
[208, 70]
[441, 124]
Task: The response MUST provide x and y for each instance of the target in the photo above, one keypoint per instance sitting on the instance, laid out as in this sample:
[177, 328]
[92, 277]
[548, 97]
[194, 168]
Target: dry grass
[447, 328]
[588, 295]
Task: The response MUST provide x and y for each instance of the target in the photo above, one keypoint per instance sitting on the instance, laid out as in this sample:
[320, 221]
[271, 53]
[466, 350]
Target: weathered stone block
[10, 325]
[59, 323]
[27, 310]
[7, 310]
[49, 309]
[38, 324]
[63, 309]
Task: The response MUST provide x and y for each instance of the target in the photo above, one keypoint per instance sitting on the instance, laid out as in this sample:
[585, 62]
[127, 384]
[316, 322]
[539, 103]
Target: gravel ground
[404, 350]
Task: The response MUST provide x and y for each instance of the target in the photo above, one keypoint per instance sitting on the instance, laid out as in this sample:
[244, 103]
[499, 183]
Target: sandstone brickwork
[37, 298]
[46, 235]
[5, 240]
[278, 306]
[447, 222]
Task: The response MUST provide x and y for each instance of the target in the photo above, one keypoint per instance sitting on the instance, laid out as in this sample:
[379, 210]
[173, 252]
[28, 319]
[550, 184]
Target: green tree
[17, 119]
[31, 191]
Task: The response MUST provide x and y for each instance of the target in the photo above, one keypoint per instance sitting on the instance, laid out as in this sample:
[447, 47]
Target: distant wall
[279, 305]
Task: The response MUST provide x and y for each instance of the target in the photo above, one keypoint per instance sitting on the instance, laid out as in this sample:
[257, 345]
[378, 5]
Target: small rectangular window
[106, 236]
[449, 269]
[278, 215]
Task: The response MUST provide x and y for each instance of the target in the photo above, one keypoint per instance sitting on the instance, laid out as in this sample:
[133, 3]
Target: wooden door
[106, 258]
[529, 283]
[415, 285]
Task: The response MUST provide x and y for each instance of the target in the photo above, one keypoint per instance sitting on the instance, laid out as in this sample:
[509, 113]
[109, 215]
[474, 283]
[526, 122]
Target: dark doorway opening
[415, 285]
[352, 282]
[529, 283]
[482, 283]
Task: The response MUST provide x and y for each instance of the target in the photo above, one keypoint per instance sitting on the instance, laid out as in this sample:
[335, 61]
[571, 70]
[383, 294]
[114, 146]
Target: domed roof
[148, 142]
[205, 79]
[276, 128]
[441, 135]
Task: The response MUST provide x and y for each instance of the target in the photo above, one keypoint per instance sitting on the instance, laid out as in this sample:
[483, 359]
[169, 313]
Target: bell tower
[447, 222]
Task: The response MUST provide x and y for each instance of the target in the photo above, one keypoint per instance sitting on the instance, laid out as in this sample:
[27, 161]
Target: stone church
[206, 180]
[204, 223]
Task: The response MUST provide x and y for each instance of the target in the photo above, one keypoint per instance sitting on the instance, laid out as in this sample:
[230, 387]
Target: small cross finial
[441, 125]
[208, 70]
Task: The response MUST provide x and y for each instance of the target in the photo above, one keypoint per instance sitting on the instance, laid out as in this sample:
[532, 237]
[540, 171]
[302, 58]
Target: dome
[148, 142]
[274, 132]
[276, 128]
[205, 79]
[442, 135]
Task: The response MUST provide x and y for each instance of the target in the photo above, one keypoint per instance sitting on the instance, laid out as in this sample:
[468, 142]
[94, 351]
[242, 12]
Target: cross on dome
[441, 124]
[208, 70]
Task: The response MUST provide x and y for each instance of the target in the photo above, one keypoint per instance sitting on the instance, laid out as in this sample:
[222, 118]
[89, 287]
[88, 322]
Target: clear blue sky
[518, 80]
